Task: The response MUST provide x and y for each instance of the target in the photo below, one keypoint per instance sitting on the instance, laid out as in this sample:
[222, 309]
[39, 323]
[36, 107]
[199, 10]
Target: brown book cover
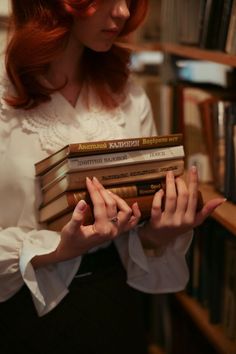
[91, 162]
[144, 202]
[99, 147]
[206, 112]
[68, 200]
[113, 176]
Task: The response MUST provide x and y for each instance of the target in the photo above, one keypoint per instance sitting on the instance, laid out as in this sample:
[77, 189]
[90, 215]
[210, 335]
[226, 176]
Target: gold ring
[114, 220]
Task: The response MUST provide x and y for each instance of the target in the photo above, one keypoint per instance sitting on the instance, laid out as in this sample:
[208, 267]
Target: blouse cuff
[164, 272]
[48, 285]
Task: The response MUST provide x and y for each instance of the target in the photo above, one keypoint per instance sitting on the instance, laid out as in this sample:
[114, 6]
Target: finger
[125, 211]
[78, 217]
[171, 195]
[99, 207]
[107, 197]
[193, 189]
[156, 210]
[133, 221]
[183, 195]
[207, 209]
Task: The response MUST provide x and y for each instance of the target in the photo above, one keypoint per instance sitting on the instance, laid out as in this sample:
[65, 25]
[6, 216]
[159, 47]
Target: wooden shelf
[188, 52]
[214, 333]
[202, 54]
[153, 349]
[226, 213]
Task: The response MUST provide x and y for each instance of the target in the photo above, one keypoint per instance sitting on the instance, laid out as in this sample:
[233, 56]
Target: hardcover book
[68, 200]
[99, 147]
[91, 162]
[118, 175]
[144, 202]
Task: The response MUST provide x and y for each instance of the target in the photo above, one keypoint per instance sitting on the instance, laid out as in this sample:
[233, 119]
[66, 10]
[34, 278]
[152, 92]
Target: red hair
[40, 30]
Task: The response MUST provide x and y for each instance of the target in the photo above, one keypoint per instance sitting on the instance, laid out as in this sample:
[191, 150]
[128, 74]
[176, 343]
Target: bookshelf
[190, 52]
[214, 333]
[226, 213]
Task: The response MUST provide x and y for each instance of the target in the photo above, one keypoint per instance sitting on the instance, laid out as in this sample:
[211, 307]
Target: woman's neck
[66, 68]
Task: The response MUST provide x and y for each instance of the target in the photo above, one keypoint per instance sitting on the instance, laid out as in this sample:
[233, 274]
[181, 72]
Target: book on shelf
[68, 200]
[229, 288]
[224, 24]
[230, 153]
[108, 146]
[81, 163]
[214, 116]
[118, 175]
[144, 202]
[230, 45]
[215, 24]
[190, 97]
[212, 265]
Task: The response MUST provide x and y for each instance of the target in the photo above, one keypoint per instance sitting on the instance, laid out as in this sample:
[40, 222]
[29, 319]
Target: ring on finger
[114, 220]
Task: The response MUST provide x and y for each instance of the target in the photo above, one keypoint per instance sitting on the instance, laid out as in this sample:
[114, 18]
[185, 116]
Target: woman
[67, 80]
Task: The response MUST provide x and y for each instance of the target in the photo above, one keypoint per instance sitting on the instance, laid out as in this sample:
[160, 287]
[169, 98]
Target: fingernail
[95, 179]
[194, 169]
[81, 205]
[170, 174]
[88, 180]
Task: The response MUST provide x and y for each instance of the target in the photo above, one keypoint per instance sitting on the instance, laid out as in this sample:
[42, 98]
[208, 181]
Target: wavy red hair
[39, 32]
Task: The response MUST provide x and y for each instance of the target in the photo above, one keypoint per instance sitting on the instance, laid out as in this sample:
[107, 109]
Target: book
[144, 202]
[99, 147]
[230, 45]
[194, 142]
[68, 200]
[224, 24]
[229, 289]
[118, 175]
[80, 163]
[212, 22]
[230, 154]
[216, 272]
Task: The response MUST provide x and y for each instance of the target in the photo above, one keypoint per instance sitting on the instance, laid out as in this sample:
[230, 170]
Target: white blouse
[29, 136]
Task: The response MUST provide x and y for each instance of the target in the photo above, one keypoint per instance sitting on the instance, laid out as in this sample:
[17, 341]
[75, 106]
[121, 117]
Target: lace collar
[57, 123]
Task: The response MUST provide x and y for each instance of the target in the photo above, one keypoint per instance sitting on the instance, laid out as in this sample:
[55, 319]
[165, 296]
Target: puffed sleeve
[167, 271]
[20, 238]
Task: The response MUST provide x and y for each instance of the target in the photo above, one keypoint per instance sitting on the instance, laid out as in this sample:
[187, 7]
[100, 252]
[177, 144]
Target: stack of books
[133, 168]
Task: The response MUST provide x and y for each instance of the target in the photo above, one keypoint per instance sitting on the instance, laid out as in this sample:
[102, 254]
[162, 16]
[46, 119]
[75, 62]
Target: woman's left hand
[179, 213]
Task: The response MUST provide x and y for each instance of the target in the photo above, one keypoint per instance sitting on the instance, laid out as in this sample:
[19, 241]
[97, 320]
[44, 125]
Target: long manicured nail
[95, 179]
[88, 180]
[81, 205]
[194, 169]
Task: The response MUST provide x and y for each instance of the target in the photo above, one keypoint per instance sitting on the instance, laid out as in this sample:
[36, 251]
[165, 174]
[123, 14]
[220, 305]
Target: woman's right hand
[112, 217]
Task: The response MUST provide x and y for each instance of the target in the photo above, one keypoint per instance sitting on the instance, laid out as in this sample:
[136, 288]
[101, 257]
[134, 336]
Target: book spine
[99, 147]
[144, 202]
[229, 48]
[112, 159]
[131, 174]
[156, 171]
[52, 210]
[230, 184]
[126, 144]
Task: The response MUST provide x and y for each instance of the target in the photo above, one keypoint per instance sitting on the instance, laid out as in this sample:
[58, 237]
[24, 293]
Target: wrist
[151, 245]
[144, 234]
[45, 259]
